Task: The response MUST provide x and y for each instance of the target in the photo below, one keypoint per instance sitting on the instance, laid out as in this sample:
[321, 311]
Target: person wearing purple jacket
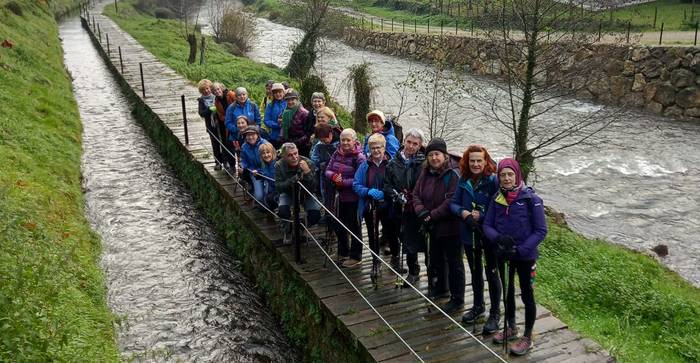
[341, 172]
[515, 222]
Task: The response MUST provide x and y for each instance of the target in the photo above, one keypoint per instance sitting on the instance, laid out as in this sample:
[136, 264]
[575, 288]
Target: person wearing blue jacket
[242, 106]
[378, 125]
[476, 186]
[368, 184]
[273, 114]
[515, 222]
[250, 155]
[264, 178]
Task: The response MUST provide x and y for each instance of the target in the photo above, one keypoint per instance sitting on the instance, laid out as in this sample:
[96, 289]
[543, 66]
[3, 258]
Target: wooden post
[628, 31]
[109, 52]
[99, 32]
[428, 26]
[415, 26]
[456, 26]
[116, 9]
[143, 84]
[600, 29]
[184, 119]
[121, 61]
[392, 25]
[441, 25]
[661, 34]
[695, 42]
[403, 25]
[381, 21]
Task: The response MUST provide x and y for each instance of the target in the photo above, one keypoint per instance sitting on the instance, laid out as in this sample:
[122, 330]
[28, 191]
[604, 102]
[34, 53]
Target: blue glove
[376, 194]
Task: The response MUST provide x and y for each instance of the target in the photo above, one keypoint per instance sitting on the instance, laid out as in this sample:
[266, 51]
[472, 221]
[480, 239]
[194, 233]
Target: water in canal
[638, 189]
[171, 282]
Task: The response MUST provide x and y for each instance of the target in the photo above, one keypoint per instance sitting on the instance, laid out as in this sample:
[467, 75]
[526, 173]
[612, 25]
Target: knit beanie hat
[436, 144]
[511, 164]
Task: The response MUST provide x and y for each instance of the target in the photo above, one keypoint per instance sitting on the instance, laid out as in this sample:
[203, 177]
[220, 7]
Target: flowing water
[637, 189]
[171, 281]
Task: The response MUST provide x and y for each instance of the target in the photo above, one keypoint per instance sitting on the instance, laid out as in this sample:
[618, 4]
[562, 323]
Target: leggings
[476, 267]
[526, 276]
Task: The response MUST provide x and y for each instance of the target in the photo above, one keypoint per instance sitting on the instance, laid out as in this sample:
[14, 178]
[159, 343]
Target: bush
[237, 29]
[164, 13]
[14, 7]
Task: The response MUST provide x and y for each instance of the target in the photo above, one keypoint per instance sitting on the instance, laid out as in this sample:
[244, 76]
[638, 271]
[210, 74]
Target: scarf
[208, 100]
[512, 193]
[287, 117]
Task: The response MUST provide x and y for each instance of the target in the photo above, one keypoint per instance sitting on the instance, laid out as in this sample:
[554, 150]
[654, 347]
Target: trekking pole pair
[374, 244]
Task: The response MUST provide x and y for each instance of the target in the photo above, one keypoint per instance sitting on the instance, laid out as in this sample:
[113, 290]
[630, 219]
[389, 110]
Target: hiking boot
[412, 279]
[491, 325]
[434, 294]
[521, 346]
[452, 306]
[396, 265]
[335, 257]
[351, 262]
[473, 314]
[217, 166]
[512, 334]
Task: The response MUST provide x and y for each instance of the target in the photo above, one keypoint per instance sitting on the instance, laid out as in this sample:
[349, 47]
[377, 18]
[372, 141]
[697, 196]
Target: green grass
[52, 293]
[675, 14]
[628, 302]
[161, 37]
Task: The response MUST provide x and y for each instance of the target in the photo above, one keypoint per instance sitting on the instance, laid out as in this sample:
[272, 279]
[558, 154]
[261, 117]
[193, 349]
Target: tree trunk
[201, 51]
[522, 154]
[192, 41]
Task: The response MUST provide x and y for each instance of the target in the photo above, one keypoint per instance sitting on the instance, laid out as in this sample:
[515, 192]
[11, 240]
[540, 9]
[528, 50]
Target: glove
[505, 247]
[376, 194]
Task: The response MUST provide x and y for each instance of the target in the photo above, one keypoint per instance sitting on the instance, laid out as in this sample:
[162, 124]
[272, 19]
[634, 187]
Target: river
[637, 189]
[176, 292]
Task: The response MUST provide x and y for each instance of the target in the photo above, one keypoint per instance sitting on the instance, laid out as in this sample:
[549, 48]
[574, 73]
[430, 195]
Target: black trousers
[526, 275]
[447, 266]
[388, 230]
[475, 254]
[347, 213]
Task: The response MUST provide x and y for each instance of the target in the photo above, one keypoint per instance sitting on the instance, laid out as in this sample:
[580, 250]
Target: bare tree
[216, 11]
[188, 12]
[440, 92]
[542, 50]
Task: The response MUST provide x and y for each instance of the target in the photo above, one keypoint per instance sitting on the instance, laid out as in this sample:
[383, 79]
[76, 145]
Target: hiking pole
[401, 199]
[506, 273]
[374, 274]
[428, 265]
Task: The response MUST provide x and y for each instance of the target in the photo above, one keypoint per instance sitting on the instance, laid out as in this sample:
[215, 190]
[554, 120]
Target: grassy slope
[670, 12]
[578, 277]
[52, 295]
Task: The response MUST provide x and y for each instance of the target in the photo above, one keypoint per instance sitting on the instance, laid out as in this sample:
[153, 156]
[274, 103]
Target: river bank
[592, 285]
[52, 293]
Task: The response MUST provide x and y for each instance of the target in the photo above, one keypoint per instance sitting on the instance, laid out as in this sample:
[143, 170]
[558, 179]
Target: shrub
[164, 13]
[14, 7]
[237, 29]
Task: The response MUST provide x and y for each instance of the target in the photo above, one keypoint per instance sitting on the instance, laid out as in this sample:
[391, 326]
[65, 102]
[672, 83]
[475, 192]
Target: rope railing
[365, 245]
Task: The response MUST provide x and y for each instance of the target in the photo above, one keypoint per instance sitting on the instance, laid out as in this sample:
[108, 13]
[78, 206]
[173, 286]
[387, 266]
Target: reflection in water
[637, 190]
[169, 277]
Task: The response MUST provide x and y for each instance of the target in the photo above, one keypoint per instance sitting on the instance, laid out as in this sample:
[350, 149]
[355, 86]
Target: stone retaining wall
[659, 79]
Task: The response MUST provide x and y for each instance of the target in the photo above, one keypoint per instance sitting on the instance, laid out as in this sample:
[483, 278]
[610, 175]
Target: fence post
[295, 225]
[392, 25]
[441, 25]
[656, 10]
[428, 26]
[661, 34]
[415, 26]
[628, 31]
[371, 23]
[93, 23]
[471, 25]
[109, 52]
[116, 9]
[456, 28]
[381, 24]
[600, 30]
[121, 62]
[695, 42]
[363, 23]
[184, 119]
[99, 32]
[143, 84]
[403, 25]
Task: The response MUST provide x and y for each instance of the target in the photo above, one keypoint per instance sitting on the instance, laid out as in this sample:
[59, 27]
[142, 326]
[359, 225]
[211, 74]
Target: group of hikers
[424, 200]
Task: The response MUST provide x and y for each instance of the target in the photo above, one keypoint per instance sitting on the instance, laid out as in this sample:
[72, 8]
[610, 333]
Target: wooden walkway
[428, 332]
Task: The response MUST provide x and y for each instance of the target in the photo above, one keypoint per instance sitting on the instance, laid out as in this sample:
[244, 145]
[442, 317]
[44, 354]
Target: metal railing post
[661, 34]
[99, 32]
[121, 61]
[109, 51]
[143, 84]
[184, 120]
[695, 42]
[296, 233]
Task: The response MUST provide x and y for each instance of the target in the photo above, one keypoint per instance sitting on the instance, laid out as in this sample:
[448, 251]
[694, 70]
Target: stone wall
[663, 80]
